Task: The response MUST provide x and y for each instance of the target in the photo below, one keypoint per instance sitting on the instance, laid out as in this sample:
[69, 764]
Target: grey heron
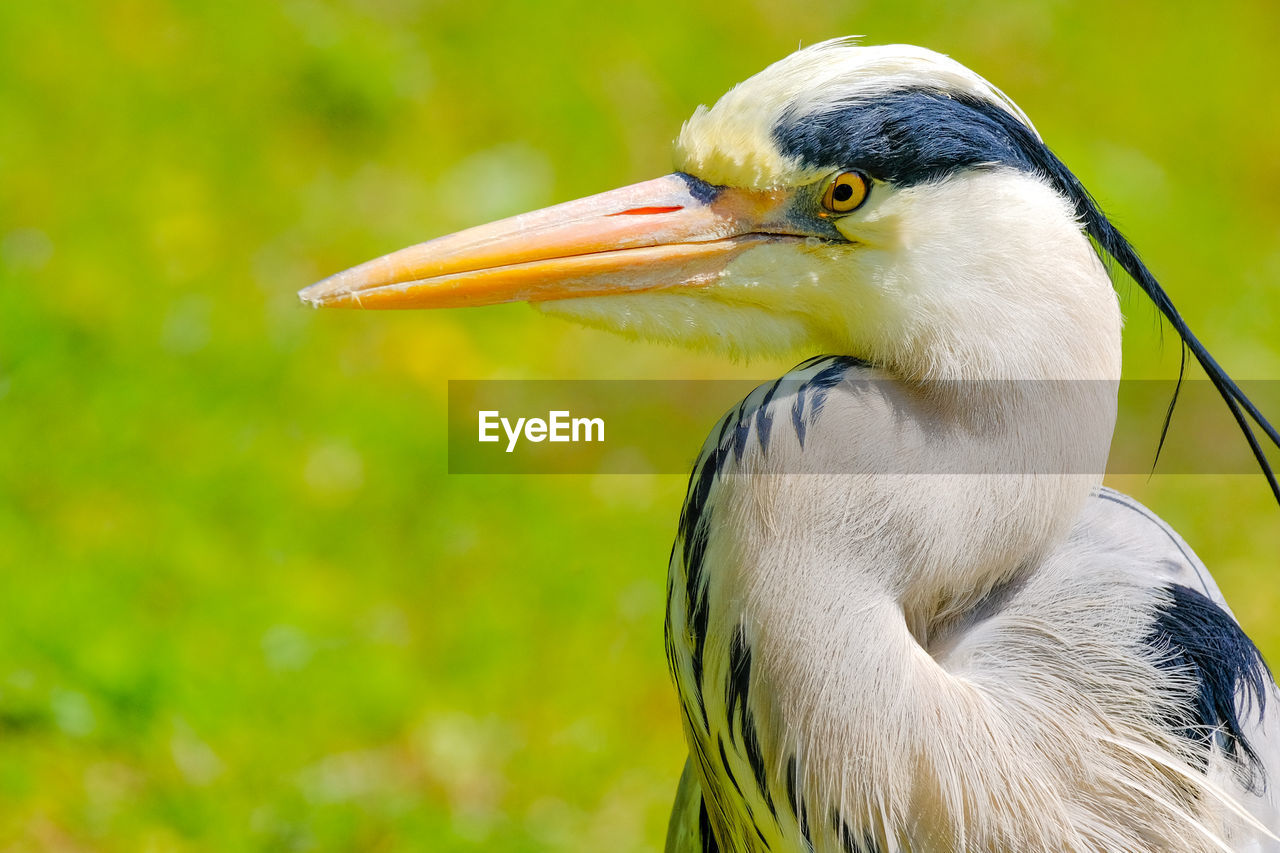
[876, 649]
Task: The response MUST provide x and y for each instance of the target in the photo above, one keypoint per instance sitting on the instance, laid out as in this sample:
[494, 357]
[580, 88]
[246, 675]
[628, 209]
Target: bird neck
[954, 464]
[985, 277]
[998, 364]
[842, 578]
[1005, 353]
[930, 493]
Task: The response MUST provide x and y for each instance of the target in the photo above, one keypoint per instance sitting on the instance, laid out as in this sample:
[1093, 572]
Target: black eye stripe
[909, 136]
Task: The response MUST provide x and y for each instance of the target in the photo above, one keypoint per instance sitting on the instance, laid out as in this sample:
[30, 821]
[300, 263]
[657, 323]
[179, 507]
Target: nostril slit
[645, 211]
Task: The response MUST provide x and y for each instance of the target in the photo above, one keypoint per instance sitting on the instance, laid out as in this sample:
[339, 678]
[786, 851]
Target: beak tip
[326, 292]
[311, 299]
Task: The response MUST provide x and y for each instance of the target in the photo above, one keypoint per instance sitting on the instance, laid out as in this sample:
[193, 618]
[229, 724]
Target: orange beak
[674, 231]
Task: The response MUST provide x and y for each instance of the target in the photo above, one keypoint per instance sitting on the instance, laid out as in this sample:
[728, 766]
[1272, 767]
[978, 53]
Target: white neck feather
[983, 276]
[1005, 354]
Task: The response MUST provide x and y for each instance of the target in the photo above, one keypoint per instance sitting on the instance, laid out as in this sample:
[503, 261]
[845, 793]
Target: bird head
[881, 202]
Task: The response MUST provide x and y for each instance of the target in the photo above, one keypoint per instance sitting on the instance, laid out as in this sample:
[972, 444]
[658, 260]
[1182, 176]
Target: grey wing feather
[1120, 518]
[1115, 517]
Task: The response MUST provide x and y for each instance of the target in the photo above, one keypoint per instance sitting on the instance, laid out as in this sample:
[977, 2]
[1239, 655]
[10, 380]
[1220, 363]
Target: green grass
[243, 606]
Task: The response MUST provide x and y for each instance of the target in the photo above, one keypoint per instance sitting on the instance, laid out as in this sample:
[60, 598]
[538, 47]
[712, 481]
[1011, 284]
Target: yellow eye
[846, 193]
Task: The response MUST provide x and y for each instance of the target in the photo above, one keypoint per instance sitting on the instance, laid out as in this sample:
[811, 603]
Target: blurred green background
[242, 607]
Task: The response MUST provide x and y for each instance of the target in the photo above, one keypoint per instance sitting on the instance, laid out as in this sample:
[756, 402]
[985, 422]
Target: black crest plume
[1246, 414]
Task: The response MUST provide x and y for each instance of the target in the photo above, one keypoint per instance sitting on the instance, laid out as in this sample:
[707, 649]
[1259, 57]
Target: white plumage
[903, 614]
[941, 671]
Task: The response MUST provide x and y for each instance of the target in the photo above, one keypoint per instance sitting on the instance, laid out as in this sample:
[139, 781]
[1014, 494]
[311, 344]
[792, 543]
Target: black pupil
[842, 192]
